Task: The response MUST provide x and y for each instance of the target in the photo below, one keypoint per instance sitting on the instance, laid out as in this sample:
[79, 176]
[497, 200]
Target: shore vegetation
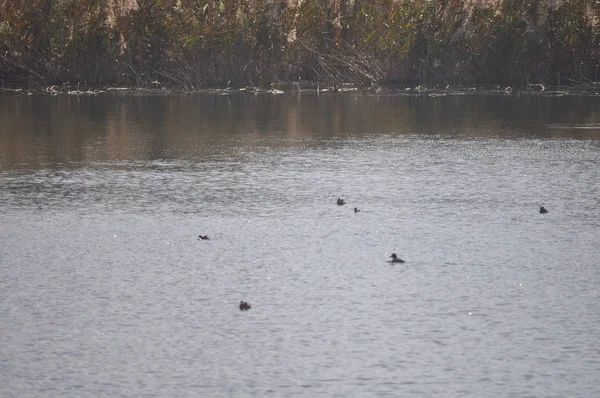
[194, 44]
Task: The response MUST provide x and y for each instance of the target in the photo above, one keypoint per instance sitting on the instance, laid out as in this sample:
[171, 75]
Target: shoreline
[591, 89]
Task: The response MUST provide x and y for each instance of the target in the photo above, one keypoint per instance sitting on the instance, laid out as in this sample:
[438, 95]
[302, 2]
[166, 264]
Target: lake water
[106, 291]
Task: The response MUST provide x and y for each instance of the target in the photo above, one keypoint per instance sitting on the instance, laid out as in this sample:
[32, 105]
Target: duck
[244, 306]
[395, 259]
[356, 210]
[543, 210]
[340, 202]
[203, 237]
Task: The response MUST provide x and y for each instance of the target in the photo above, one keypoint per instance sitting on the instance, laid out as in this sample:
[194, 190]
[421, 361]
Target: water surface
[105, 290]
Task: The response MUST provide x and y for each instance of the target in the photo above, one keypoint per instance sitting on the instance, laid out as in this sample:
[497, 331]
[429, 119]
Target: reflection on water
[40, 130]
[106, 291]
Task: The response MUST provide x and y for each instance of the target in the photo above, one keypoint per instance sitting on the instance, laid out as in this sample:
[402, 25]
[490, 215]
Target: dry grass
[191, 44]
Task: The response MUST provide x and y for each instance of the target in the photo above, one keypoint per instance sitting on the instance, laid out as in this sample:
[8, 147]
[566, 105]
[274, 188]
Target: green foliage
[203, 43]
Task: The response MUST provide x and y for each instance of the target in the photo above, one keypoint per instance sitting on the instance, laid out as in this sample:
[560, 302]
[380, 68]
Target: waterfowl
[244, 306]
[203, 237]
[340, 202]
[395, 259]
[543, 210]
[356, 210]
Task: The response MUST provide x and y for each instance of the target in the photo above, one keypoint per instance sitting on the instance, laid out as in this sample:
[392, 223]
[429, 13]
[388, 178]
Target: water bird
[203, 237]
[543, 210]
[356, 210]
[244, 306]
[395, 259]
[340, 202]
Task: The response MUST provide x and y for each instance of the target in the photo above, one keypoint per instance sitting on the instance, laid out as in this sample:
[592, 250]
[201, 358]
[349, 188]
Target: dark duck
[340, 202]
[543, 210]
[203, 237]
[395, 259]
[244, 306]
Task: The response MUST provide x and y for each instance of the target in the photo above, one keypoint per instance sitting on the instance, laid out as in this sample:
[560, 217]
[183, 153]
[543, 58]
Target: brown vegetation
[215, 43]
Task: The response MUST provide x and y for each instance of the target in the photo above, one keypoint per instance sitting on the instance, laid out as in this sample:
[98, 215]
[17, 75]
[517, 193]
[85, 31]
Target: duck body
[543, 210]
[395, 259]
[244, 306]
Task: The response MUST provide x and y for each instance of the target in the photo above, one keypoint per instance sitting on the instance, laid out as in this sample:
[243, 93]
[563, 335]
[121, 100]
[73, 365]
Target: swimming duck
[203, 237]
[340, 202]
[244, 306]
[543, 210]
[356, 210]
[395, 259]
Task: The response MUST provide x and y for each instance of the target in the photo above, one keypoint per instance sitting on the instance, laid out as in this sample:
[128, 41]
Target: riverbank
[196, 44]
[313, 88]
